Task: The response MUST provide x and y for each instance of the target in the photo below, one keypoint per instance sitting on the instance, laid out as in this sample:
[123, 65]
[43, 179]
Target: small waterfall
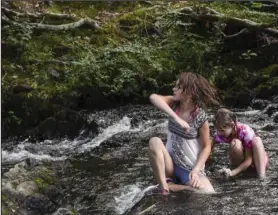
[58, 150]
[53, 150]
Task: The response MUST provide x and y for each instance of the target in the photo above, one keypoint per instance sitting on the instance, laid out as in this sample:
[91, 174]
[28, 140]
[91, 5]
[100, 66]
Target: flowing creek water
[108, 173]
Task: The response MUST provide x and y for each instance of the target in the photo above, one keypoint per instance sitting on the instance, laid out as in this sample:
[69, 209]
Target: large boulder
[259, 104]
[65, 123]
[31, 187]
[237, 99]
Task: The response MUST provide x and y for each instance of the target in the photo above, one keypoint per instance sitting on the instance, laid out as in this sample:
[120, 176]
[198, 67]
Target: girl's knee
[154, 143]
[236, 143]
[236, 153]
[256, 141]
[236, 146]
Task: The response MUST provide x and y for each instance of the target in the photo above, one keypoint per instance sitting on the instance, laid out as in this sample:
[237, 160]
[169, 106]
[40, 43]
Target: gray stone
[17, 172]
[39, 203]
[275, 118]
[27, 188]
[269, 127]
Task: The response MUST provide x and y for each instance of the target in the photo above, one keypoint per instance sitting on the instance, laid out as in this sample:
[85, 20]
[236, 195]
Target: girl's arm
[245, 164]
[203, 155]
[164, 103]
[205, 146]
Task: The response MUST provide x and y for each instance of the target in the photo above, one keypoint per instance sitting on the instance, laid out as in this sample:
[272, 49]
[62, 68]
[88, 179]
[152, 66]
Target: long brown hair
[202, 93]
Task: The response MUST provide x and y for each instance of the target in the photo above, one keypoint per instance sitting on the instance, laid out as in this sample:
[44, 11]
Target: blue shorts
[181, 174]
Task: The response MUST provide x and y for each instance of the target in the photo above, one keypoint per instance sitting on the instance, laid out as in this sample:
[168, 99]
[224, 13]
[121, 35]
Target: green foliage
[10, 119]
[139, 49]
[17, 35]
[107, 58]
[230, 76]
[248, 55]
[270, 71]
[268, 88]
[117, 68]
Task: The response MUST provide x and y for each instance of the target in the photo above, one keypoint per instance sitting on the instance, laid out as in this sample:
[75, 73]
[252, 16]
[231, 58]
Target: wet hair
[224, 118]
[203, 94]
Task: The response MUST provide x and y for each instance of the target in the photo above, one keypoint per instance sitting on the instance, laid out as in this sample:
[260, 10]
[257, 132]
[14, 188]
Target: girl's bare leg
[236, 152]
[259, 156]
[161, 161]
[205, 186]
[178, 187]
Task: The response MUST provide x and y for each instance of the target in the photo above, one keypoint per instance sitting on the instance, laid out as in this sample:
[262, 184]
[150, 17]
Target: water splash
[121, 126]
[50, 150]
[15, 157]
[129, 196]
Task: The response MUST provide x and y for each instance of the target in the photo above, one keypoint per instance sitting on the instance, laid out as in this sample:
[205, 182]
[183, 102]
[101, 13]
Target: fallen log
[214, 16]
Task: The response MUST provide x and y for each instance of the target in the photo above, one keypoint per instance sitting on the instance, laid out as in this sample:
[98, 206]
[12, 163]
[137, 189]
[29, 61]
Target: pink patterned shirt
[244, 133]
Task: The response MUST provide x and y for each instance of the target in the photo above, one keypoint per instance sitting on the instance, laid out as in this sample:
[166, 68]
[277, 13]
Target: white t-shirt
[184, 147]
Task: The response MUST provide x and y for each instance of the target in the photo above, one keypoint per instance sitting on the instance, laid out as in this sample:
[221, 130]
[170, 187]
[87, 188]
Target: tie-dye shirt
[244, 133]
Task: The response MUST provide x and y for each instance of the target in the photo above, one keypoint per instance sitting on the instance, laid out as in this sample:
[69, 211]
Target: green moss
[4, 211]
[45, 177]
[14, 185]
[41, 184]
[74, 212]
[7, 205]
[4, 197]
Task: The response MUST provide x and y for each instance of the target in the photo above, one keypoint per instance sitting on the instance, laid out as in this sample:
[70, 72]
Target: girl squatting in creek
[246, 148]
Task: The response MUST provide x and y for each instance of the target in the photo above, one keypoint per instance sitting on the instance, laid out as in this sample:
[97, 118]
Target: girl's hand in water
[194, 178]
[226, 171]
[182, 123]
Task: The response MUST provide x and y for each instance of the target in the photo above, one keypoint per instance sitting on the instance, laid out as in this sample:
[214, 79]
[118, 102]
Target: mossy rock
[8, 207]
